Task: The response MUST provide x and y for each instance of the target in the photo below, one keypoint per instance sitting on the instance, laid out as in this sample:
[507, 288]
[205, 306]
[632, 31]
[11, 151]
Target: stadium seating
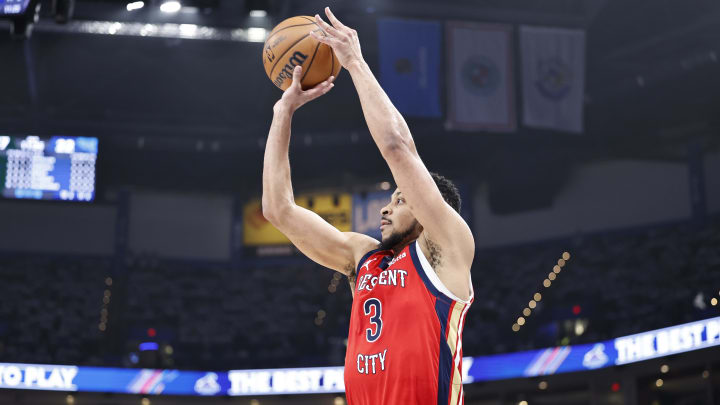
[218, 317]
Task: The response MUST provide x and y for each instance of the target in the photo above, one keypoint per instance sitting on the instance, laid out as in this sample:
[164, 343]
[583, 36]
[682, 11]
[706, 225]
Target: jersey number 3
[375, 318]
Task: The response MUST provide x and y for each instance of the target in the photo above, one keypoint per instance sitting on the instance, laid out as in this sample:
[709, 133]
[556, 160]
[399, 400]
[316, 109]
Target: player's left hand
[343, 40]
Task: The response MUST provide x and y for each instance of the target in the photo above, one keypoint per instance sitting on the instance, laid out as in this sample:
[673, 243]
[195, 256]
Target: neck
[399, 247]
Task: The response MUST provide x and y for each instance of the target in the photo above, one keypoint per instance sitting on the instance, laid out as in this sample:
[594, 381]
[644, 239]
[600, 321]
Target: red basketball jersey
[405, 338]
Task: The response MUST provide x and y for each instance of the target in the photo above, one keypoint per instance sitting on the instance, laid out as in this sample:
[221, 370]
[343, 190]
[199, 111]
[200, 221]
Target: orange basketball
[290, 44]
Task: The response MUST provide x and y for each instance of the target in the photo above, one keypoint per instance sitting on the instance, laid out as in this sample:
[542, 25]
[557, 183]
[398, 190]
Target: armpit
[435, 253]
[352, 276]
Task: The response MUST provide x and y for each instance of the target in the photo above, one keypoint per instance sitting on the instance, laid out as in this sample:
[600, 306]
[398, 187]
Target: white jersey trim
[435, 280]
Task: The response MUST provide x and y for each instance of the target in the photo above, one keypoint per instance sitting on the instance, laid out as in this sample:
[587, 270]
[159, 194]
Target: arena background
[586, 127]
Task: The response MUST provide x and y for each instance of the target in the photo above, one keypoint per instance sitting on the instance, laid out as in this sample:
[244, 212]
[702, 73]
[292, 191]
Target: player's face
[397, 223]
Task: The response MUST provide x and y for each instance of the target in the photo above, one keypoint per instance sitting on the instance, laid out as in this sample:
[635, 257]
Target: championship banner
[336, 209]
[553, 73]
[410, 65]
[366, 212]
[481, 94]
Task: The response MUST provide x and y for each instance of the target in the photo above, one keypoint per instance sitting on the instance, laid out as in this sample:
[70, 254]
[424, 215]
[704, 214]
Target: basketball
[290, 44]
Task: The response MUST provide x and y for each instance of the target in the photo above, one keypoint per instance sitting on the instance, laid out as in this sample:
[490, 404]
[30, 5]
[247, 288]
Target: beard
[396, 238]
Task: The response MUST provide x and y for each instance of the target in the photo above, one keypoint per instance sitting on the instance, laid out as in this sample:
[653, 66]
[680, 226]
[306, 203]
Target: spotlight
[136, 5]
[170, 6]
[256, 34]
[257, 8]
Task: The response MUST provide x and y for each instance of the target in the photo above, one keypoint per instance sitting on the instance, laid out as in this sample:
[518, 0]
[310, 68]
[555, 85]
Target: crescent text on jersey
[386, 277]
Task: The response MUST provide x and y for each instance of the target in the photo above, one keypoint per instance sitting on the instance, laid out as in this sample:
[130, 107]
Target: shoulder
[361, 246]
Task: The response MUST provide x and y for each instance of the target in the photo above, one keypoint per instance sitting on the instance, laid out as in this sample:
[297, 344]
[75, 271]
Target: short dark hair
[449, 191]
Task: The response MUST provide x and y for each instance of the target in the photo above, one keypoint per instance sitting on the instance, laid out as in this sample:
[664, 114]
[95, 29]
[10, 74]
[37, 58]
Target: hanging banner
[410, 65]
[480, 77]
[553, 74]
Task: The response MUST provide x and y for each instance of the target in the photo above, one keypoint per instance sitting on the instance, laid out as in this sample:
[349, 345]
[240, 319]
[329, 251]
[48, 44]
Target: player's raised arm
[317, 239]
[392, 136]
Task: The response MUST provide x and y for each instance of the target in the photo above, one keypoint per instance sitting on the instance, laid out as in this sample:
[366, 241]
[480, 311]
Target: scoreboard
[54, 168]
[13, 6]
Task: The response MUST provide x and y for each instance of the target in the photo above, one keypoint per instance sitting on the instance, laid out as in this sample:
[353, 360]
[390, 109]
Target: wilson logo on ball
[269, 55]
[289, 45]
[296, 59]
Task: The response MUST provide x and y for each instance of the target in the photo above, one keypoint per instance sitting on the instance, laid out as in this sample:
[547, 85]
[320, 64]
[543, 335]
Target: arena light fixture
[258, 13]
[170, 6]
[135, 5]
[256, 34]
[188, 30]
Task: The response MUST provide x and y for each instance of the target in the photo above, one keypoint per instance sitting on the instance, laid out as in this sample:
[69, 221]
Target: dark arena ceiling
[652, 86]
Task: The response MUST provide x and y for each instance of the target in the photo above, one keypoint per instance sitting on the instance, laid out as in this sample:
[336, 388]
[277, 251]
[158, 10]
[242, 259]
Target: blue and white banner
[480, 78]
[286, 381]
[318, 380]
[553, 74]
[410, 65]
[366, 212]
[668, 341]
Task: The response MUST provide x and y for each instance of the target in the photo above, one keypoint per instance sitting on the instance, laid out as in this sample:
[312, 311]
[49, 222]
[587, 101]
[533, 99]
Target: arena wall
[712, 182]
[598, 197]
[50, 227]
[180, 226]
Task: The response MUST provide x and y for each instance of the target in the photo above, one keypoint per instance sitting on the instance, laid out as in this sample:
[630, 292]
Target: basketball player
[411, 290]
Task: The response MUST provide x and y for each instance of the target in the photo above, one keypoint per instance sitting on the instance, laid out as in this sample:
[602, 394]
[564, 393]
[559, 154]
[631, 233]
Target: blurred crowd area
[212, 316]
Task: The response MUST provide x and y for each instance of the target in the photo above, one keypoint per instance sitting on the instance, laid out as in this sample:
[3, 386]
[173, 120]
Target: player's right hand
[295, 97]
